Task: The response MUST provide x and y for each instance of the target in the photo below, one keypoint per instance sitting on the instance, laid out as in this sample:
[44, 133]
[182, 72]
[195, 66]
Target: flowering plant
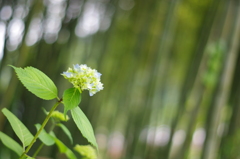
[82, 78]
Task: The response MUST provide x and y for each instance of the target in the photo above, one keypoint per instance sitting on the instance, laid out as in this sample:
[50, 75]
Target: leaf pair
[20, 130]
[12, 145]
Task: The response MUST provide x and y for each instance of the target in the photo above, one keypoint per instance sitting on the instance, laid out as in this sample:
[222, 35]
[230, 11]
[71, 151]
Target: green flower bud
[86, 151]
[58, 116]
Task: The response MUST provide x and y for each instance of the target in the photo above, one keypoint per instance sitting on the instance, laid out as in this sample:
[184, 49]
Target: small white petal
[76, 67]
[98, 75]
[84, 66]
[90, 94]
[89, 86]
[68, 74]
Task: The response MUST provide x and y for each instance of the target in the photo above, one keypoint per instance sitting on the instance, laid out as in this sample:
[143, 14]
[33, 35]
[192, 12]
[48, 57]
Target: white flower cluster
[84, 78]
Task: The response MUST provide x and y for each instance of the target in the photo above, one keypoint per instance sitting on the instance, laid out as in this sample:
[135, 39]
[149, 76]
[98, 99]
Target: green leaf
[52, 134]
[66, 131]
[86, 151]
[37, 82]
[84, 125]
[71, 99]
[19, 128]
[28, 157]
[45, 111]
[64, 149]
[45, 137]
[11, 144]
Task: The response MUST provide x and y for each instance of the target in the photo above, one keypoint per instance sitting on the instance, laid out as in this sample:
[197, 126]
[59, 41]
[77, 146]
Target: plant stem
[39, 131]
[40, 147]
[38, 150]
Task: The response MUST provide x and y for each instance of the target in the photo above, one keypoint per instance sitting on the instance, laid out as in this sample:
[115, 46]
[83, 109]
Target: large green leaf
[37, 82]
[71, 99]
[84, 125]
[11, 144]
[19, 128]
[45, 137]
[66, 131]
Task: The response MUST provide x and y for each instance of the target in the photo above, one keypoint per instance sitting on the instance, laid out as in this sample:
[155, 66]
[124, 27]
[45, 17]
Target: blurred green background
[170, 70]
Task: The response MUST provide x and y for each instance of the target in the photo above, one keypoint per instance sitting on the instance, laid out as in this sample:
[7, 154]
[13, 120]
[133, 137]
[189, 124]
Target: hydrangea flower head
[84, 78]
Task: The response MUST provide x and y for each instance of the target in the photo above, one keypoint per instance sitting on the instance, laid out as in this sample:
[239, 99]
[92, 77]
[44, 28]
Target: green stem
[38, 150]
[40, 130]
[40, 147]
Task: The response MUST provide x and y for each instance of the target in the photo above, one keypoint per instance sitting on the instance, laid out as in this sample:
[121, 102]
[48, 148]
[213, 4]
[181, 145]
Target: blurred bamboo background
[169, 69]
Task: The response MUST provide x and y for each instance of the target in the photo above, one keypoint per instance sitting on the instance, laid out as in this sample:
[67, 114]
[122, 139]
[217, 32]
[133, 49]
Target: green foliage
[66, 131]
[37, 82]
[19, 128]
[11, 144]
[58, 116]
[86, 151]
[45, 137]
[84, 125]
[71, 99]
[64, 149]
[42, 86]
